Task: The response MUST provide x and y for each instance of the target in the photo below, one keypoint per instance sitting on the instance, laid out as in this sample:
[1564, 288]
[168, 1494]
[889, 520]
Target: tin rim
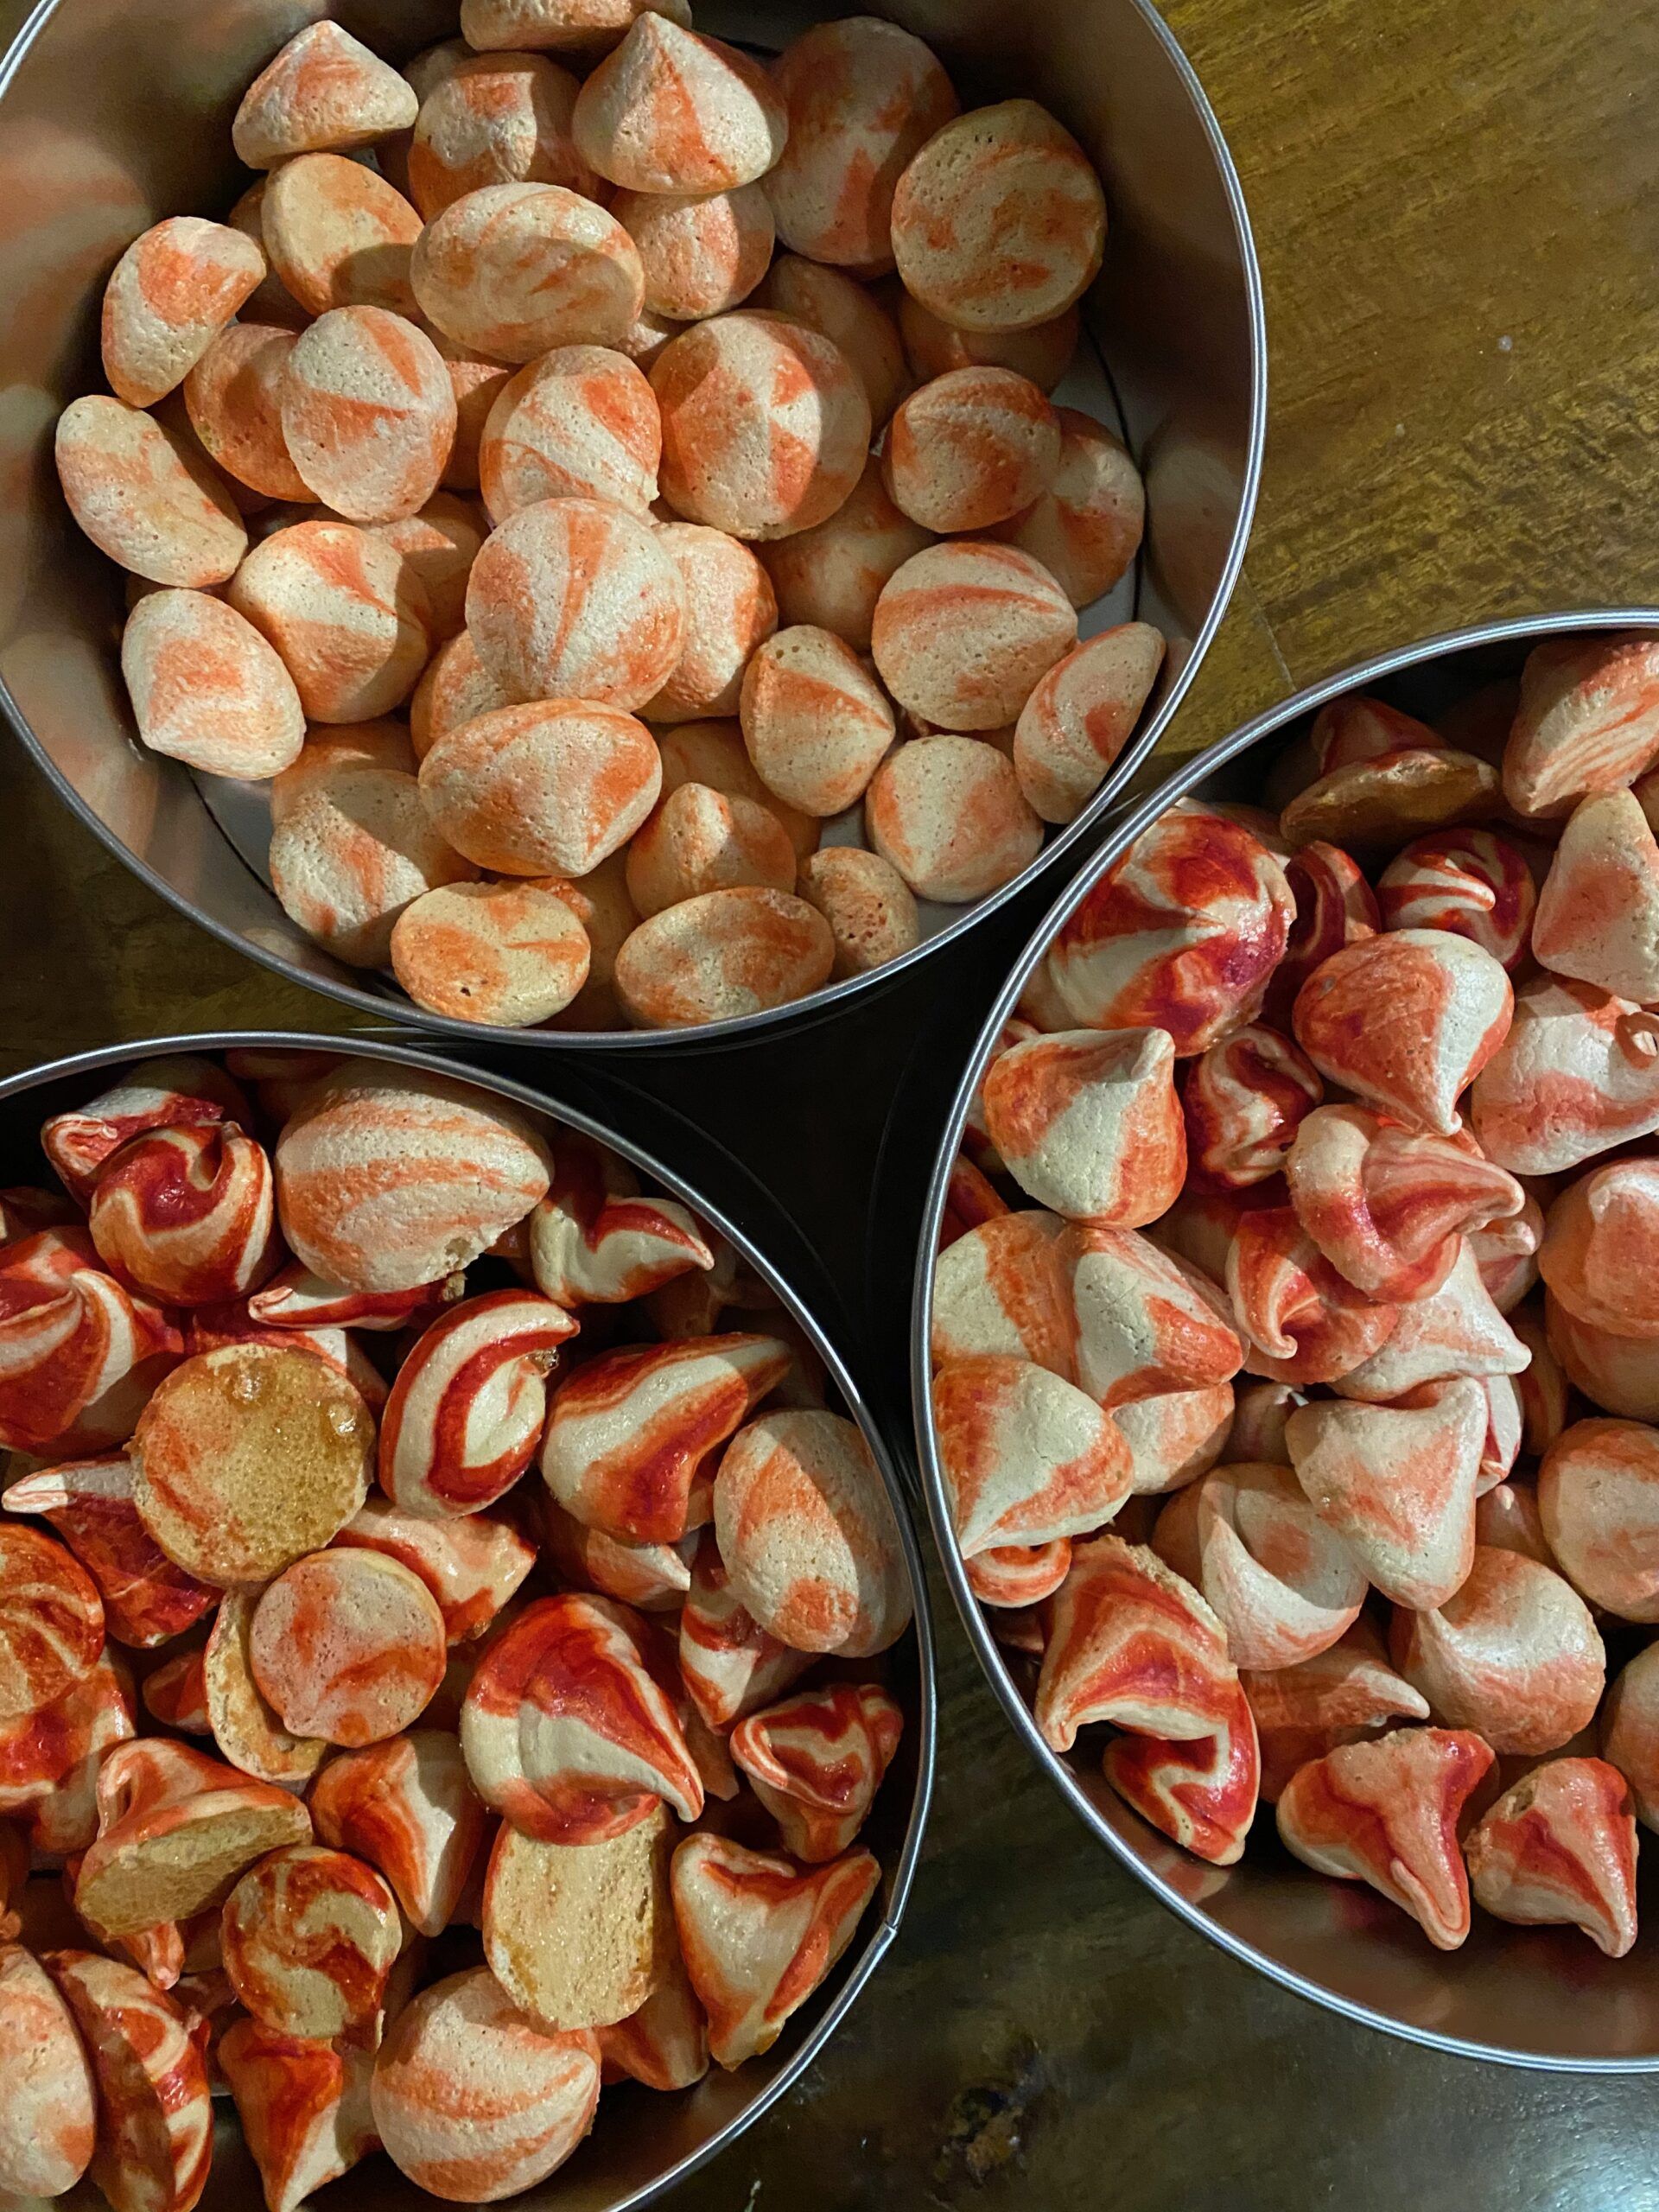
[522, 1095]
[1125, 830]
[831, 999]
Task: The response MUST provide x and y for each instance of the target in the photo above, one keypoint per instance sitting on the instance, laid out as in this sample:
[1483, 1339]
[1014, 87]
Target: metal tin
[113, 114]
[1526, 1996]
[643, 2144]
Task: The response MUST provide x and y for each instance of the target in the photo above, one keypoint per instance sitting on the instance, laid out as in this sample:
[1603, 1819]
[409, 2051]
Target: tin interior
[114, 114]
[643, 2141]
[1528, 1996]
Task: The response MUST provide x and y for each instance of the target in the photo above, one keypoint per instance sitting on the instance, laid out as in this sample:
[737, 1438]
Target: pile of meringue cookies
[631, 626]
[1281, 1476]
[407, 1793]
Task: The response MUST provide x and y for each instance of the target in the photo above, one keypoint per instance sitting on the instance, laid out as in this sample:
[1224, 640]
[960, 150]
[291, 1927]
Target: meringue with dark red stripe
[467, 1407]
[567, 1730]
[817, 1761]
[631, 1435]
[188, 1215]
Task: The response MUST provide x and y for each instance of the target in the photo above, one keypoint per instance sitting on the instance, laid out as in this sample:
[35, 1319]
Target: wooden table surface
[1457, 210]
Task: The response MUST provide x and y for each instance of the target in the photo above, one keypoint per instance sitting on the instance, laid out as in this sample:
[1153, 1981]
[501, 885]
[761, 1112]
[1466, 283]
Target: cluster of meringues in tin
[630, 627]
[440, 1638]
[1281, 1475]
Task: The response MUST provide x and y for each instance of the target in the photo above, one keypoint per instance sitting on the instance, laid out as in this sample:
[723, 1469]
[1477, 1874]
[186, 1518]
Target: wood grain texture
[1457, 212]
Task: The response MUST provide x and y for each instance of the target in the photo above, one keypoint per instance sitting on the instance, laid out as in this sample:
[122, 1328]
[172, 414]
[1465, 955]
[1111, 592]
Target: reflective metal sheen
[643, 2142]
[1527, 1996]
[115, 113]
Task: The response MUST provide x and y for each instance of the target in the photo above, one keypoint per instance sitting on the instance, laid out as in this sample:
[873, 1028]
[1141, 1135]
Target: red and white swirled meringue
[1457, 1330]
[303, 2106]
[1181, 934]
[1004, 1287]
[51, 1621]
[1620, 1373]
[294, 1298]
[470, 1562]
[1026, 1456]
[1512, 1654]
[1600, 1253]
[665, 2043]
[156, 2111]
[1599, 910]
[630, 1435]
[817, 1761]
[467, 1407]
[309, 1935]
[473, 2099]
[653, 1578]
[175, 1829]
[147, 1600]
[1130, 1642]
[1630, 1731]
[409, 1808]
[1588, 720]
[1337, 1697]
[1506, 1252]
[595, 1240]
[1397, 1485]
[49, 1758]
[1578, 1073]
[1560, 1848]
[1088, 1124]
[1280, 1579]
[1145, 1323]
[809, 1535]
[1598, 1497]
[759, 1935]
[1304, 1322]
[1176, 1437]
[566, 1729]
[1385, 1813]
[347, 1645]
[731, 1665]
[188, 1216]
[1245, 1099]
[1200, 1791]
[1335, 907]
[1472, 882]
[1358, 727]
[48, 2132]
[175, 1694]
[1386, 1204]
[1259, 1418]
[387, 1178]
[1406, 1020]
[79, 1353]
[1017, 1577]
[179, 1091]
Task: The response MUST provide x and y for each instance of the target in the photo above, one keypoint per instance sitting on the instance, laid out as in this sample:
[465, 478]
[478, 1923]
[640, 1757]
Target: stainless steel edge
[1124, 830]
[94, 1063]
[833, 1000]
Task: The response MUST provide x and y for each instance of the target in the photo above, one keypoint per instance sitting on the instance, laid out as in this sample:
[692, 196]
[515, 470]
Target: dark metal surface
[115, 112]
[643, 2143]
[1535, 1997]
